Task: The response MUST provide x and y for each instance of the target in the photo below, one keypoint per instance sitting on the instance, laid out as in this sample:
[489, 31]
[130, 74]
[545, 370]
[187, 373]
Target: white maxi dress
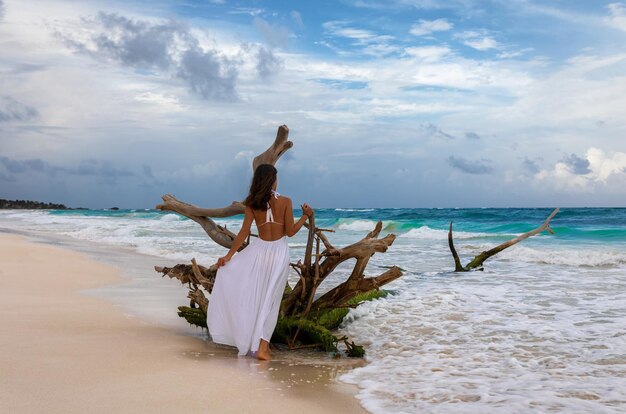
[244, 304]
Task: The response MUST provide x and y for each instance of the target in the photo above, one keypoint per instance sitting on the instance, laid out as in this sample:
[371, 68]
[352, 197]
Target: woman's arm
[292, 228]
[241, 236]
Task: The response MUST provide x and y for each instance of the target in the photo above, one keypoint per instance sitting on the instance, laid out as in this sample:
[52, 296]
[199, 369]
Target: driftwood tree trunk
[305, 319]
[478, 261]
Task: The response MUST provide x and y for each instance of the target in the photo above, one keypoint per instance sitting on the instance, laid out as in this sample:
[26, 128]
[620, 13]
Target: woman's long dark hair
[261, 187]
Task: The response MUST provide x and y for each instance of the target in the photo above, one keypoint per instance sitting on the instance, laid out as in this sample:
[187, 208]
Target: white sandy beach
[64, 352]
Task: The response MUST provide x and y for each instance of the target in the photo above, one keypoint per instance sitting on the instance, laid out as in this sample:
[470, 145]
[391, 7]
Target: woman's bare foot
[263, 354]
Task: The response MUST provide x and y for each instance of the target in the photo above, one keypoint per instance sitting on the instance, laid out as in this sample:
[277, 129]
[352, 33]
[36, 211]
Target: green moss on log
[331, 319]
[309, 333]
[195, 316]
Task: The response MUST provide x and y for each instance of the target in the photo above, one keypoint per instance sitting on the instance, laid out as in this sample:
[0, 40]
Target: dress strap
[269, 217]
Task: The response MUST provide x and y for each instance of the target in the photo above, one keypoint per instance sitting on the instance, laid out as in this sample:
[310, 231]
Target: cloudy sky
[390, 103]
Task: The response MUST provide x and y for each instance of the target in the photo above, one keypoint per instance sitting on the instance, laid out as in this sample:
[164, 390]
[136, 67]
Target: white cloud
[617, 16]
[585, 90]
[361, 36]
[602, 168]
[297, 18]
[160, 101]
[561, 13]
[252, 11]
[428, 54]
[514, 53]
[381, 49]
[425, 27]
[477, 40]
[368, 42]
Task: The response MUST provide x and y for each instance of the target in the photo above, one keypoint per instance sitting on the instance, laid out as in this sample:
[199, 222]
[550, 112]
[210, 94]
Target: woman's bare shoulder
[284, 200]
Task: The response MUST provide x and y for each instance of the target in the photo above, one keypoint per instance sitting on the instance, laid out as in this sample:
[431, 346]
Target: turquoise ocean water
[541, 329]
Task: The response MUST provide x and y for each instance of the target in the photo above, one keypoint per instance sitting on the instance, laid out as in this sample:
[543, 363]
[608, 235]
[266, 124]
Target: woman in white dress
[244, 304]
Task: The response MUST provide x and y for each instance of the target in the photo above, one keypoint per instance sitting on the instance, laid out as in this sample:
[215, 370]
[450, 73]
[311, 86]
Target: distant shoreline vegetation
[31, 205]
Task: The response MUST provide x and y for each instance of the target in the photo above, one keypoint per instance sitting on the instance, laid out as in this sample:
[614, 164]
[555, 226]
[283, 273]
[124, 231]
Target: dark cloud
[576, 165]
[85, 168]
[434, 131]
[138, 43]
[13, 167]
[530, 165]
[470, 167]
[99, 168]
[9, 178]
[12, 110]
[268, 63]
[169, 47]
[472, 135]
[20, 166]
[208, 74]
[147, 171]
[19, 68]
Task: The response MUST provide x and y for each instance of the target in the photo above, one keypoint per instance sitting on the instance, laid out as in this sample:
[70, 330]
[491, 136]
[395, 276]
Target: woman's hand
[222, 261]
[307, 210]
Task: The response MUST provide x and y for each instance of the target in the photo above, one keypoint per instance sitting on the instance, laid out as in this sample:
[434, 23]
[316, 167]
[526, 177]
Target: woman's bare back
[275, 228]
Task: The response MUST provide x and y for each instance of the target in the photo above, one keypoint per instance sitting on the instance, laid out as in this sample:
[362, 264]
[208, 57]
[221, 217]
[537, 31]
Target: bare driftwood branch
[217, 233]
[478, 261]
[201, 276]
[312, 277]
[198, 297]
[458, 267]
[278, 148]
[171, 203]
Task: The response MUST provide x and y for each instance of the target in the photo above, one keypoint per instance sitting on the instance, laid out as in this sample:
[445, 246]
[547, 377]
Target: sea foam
[426, 232]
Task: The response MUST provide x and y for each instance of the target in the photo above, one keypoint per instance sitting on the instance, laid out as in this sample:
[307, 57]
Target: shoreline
[65, 349]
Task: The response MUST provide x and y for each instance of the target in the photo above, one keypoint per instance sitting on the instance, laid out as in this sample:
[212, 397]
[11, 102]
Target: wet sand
[64, 351]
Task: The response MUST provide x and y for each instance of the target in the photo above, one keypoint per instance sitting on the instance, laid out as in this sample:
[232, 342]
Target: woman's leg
[263, 353]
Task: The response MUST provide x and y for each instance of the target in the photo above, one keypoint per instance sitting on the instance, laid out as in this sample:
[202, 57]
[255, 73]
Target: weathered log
[478, 260]
[353, 287]
[304, 319]
[217, 233]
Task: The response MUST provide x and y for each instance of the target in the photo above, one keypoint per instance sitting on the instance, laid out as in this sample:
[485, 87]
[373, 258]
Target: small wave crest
[426, 232]
[170, 217]
[357, 225]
